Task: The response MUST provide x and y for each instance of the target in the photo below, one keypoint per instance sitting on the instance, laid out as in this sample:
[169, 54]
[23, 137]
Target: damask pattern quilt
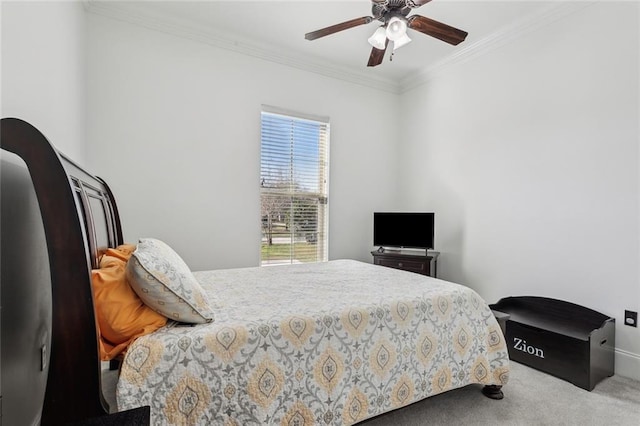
[332, 343]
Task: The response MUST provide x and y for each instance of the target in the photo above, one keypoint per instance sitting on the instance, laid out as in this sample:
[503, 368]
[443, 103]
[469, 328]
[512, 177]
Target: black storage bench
[566, 340]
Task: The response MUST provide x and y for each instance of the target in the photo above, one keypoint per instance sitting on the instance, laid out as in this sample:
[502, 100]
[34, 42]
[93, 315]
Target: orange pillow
[122, 316]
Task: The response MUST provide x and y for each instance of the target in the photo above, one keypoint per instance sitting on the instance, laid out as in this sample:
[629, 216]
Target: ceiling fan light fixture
[395, 21]
[396, 29]
[401, 42]
[379, 38]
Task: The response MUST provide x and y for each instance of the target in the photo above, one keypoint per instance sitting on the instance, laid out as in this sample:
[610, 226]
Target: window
[293, 187]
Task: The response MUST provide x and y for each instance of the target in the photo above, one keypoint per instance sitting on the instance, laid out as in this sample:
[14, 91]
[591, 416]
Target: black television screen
[410, 230]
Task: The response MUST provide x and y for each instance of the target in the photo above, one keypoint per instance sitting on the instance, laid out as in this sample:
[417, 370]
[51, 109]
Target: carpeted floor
[531, 398]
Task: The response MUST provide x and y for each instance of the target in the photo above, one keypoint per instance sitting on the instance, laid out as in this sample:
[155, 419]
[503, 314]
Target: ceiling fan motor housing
[386, 9]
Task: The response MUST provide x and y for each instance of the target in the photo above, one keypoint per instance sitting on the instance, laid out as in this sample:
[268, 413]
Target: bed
[331, 343]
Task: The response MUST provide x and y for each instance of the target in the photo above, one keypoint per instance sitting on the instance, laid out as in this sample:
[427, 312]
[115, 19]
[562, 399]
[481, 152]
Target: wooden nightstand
[135, 417]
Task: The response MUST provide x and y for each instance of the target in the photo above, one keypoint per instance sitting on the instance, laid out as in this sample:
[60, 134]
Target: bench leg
[493, 391]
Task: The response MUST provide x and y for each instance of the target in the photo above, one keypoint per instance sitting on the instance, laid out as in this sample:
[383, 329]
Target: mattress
[328, 343]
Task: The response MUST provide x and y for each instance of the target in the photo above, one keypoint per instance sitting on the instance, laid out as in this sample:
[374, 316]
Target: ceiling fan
[395, 20]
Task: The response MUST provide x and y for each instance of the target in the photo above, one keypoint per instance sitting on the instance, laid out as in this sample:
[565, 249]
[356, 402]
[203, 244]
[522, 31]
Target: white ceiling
[275, 30]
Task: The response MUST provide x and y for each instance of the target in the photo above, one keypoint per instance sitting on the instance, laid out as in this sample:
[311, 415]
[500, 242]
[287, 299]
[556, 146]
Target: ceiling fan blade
[338, 27]
[436, 29]
[377, 55]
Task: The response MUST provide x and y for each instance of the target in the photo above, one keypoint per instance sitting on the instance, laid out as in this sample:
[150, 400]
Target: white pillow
[165, 283]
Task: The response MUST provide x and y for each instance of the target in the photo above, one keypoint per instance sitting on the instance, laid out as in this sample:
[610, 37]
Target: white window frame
[282, 188]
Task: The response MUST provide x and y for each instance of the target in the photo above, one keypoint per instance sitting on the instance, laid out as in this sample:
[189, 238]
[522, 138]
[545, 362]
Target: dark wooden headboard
[80, 220]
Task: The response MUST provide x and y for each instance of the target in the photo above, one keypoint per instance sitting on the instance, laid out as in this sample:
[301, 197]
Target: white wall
[174, 125]
[43, 70]
[529, 156]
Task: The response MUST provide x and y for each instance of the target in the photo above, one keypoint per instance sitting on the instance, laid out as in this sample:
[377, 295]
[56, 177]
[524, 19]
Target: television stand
[421, 262]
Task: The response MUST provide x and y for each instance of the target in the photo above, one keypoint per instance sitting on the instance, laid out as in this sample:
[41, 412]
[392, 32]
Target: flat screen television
[403, 230]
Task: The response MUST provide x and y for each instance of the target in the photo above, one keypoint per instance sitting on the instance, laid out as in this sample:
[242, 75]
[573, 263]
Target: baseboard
[627, 364]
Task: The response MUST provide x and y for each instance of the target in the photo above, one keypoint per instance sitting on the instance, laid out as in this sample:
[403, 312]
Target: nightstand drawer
[406, 265]
[407, 261]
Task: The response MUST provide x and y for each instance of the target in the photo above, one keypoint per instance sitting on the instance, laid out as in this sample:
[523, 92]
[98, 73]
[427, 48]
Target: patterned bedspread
[331, 343]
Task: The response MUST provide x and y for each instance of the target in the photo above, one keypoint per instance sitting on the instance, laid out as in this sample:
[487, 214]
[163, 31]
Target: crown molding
[496, 40]
[186, 29]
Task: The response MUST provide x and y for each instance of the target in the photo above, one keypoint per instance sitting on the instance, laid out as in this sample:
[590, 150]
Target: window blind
[293, 188]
